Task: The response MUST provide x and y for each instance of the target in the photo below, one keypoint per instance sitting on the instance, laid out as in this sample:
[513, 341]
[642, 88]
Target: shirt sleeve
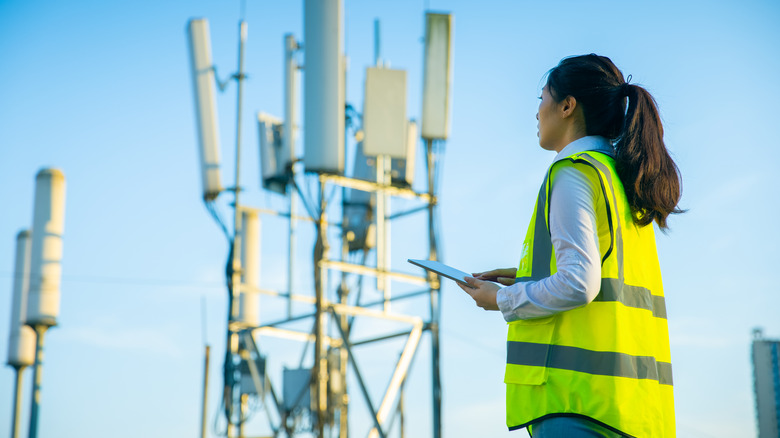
[574, 235]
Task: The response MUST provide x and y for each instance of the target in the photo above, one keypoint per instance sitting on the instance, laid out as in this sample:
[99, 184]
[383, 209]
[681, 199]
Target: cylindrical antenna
[203, 82]
[249, 301]
[287, 157]
[21, 343]
[43, 301]
[323, 110]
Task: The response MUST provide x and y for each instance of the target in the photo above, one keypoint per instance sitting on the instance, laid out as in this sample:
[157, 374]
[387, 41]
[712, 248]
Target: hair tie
[625, 87]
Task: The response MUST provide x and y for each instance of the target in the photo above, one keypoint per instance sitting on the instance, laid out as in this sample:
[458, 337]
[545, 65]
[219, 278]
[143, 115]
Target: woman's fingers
[483, 294]
[487, 275]
[473, 282]
[494, 274]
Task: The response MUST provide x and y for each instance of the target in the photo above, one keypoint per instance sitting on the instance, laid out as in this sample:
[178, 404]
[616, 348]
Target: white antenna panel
[384, 113]
[249, 301]
[436, 78]
[204, 88]
[323, 86]
[273, 171]
[43, 300]
[21, 344]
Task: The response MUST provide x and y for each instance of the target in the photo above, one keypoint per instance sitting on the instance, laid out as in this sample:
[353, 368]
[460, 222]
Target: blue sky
[102, 91]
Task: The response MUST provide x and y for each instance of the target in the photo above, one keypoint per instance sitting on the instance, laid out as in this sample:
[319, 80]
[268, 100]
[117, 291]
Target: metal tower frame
[328, 349]
[333, 353]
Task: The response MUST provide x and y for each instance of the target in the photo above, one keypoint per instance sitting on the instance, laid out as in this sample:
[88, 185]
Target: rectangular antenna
[384, 113]
[272, 155]
[436, 78]
[204, 89]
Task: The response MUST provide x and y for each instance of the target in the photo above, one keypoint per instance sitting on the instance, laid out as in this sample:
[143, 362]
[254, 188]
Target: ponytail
[650, 177]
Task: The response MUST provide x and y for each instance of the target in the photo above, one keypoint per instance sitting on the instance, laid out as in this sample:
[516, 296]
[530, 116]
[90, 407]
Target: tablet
[443, 270]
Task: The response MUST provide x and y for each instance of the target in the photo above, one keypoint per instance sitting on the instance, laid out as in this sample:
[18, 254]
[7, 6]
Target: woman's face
[550, 126]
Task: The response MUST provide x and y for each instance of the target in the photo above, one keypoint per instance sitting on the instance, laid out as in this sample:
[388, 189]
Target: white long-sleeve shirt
[574, 235]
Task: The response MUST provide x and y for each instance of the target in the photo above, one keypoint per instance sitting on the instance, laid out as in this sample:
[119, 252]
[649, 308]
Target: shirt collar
[594, 143]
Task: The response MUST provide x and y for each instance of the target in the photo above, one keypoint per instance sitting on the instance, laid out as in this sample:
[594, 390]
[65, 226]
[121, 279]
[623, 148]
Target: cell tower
[21, 344]
[766, 379]
[36, 289]
[352, 238]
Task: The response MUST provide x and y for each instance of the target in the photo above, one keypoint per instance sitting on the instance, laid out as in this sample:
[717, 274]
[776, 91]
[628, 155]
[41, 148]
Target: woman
[588, 345]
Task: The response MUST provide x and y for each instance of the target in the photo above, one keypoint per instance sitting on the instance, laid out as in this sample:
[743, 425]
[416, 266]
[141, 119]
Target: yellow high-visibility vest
[609, 360]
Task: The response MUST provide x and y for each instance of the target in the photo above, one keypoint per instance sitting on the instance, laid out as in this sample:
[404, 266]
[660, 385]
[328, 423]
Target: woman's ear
[568, 106]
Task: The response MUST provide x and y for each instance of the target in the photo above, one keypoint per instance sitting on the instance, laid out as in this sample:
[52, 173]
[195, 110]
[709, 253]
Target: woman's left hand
[484, 293]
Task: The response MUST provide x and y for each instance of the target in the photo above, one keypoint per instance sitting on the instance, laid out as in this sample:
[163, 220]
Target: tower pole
[17, 402]
[40, 330]
[435, 292]
[291, 242]
[235, 250]
[321, 285]
[205, 393]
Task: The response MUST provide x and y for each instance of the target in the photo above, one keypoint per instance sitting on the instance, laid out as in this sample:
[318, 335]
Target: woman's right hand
[505, 276]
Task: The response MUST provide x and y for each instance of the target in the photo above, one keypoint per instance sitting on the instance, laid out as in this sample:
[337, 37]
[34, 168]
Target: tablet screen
[443, 270]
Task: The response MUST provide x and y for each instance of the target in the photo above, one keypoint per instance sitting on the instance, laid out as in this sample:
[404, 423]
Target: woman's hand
[484, 293]
[505, 276]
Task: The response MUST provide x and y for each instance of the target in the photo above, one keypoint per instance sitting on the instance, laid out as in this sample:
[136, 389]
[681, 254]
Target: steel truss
[328, 410]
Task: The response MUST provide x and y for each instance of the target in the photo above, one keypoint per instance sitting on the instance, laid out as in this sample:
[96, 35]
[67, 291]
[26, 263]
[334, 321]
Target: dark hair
[650, 177]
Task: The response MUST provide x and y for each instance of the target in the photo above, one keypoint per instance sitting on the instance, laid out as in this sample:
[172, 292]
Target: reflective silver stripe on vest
[542, 251]
[613, 289]
[602, 363]
[630, 296]
[619, 238]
